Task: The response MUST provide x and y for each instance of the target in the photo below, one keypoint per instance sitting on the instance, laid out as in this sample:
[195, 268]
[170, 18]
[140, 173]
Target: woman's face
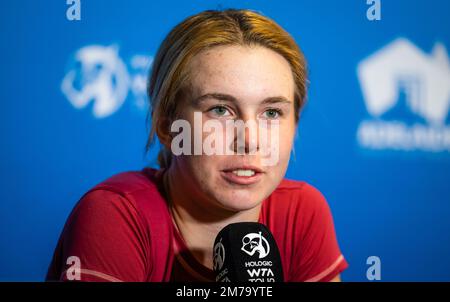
[229, 83]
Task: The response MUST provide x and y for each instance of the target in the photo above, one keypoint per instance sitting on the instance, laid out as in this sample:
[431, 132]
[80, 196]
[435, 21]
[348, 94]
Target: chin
[240, 201]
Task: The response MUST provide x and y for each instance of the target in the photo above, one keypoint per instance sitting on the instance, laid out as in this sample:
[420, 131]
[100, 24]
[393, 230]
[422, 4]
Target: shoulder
[118, 195]
[299, 187]
[296, 207]
[119, 220]
[138, 188]
[300, 219]
[130, 182]
[293, 195]
[124, 195]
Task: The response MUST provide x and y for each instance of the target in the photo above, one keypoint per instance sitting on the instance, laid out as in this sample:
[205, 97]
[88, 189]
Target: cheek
[286, 142]
[201, 168]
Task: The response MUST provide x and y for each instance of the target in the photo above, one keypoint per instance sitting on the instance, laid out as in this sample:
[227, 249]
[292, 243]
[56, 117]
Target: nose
[246, 137]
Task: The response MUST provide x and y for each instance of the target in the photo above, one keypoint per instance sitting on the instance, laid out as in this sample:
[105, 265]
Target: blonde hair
[202, 31]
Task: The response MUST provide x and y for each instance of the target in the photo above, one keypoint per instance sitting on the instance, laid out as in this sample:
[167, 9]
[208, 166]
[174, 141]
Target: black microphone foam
[246, 252]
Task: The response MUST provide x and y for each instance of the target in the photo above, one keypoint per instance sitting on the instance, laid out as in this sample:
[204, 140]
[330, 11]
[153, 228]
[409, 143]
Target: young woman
[160, 225]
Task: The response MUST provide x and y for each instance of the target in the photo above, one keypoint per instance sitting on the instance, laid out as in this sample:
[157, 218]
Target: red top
[121, 230]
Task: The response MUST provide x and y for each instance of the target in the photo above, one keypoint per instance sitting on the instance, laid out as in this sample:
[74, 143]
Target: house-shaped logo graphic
[424, 79]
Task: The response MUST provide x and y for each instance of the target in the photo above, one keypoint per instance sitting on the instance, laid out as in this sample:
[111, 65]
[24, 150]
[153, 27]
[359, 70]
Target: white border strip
[93, 273]
[326, 272]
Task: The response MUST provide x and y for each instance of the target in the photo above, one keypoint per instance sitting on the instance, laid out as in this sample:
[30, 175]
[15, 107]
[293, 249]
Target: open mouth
[242, 175]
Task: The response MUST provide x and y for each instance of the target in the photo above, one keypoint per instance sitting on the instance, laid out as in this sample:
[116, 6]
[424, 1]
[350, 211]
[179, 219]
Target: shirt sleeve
[318, 253]
[106, 236]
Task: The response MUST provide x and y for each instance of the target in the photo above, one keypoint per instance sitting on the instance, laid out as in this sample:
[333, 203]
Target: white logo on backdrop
[255, 242]
[401, 67]
[103, 78]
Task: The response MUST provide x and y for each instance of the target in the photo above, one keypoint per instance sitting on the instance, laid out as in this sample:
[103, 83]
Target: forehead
[244, 72]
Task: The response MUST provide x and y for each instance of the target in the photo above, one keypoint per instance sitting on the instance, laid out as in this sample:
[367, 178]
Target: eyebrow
[232, 99]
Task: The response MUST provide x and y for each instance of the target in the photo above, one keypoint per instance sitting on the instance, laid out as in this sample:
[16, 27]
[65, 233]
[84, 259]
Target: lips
[242, 175]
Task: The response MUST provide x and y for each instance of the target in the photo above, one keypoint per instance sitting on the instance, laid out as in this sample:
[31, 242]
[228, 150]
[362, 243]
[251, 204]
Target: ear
[163, 131]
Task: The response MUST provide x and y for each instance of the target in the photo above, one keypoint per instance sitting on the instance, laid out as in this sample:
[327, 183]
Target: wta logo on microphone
[255, 245]
[246, 252]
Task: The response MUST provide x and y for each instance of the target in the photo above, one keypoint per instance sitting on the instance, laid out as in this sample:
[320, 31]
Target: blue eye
[272, 113]
[220, 111]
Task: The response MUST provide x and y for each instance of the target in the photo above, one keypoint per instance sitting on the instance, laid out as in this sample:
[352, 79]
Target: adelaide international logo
[401, 77]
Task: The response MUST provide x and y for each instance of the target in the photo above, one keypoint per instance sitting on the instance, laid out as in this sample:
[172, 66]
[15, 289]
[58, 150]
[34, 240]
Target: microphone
[246, 252]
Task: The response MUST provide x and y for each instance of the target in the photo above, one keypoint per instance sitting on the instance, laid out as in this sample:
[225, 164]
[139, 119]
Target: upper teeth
[241, 172]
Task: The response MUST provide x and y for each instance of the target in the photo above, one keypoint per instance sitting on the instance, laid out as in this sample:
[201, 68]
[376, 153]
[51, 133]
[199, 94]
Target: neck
[199, 221]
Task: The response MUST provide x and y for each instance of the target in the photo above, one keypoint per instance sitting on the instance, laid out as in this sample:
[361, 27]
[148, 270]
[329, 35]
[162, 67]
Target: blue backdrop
[374, 136]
